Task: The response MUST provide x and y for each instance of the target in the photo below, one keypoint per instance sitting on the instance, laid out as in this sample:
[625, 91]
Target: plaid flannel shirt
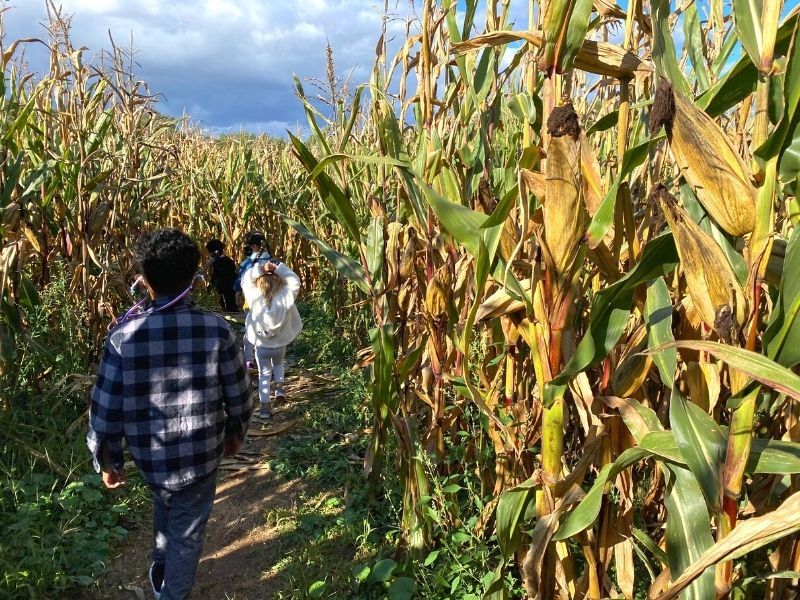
[173, 385]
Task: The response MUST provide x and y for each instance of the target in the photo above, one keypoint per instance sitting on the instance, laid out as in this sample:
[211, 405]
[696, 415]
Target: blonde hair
[270, 285]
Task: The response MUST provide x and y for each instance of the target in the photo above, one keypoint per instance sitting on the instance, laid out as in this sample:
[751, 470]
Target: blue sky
[229, 63]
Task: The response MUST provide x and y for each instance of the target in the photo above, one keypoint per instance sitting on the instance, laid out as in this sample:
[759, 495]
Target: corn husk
[502, 303]
[437, 293]
[98, 218]
[710, 280]
[12, 214]
[562, 209]
[408, 254]
[707, 160]
[393, 233]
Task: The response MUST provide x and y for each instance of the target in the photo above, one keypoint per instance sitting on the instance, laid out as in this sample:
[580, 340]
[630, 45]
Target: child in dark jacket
[172, 384]
[222, 275]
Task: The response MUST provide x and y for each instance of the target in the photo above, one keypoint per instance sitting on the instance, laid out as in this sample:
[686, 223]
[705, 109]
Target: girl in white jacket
[272, 323]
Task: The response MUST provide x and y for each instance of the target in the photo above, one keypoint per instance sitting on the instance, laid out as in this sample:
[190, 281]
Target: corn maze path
[241, 550]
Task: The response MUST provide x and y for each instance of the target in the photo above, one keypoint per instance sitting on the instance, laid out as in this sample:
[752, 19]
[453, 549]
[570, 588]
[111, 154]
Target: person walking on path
[222, 271]
[272, 324]
[258, 251]
[172, 383]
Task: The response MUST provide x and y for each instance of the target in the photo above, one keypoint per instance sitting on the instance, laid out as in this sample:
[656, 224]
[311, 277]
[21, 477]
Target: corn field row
[573, 231]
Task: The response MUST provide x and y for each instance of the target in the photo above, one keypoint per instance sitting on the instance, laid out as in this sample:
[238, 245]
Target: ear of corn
[707, 160]
[562, 209]
[710, 280]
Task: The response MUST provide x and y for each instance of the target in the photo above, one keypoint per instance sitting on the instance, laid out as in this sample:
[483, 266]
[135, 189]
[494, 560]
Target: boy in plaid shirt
[171, 383]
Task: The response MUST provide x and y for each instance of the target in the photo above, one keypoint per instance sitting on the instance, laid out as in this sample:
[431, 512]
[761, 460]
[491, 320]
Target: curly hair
[168, 259]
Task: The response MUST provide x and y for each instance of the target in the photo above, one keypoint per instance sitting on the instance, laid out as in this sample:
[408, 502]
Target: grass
[332, 529]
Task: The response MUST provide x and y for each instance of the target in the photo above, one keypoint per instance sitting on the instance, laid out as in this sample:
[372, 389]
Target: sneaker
[250, 365]
[265, 414]
[156, 575]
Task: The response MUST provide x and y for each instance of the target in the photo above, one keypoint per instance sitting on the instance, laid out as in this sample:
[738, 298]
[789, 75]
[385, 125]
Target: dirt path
[241, 550]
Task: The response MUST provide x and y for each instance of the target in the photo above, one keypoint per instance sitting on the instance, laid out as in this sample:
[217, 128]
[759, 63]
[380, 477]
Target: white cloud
[227, 62]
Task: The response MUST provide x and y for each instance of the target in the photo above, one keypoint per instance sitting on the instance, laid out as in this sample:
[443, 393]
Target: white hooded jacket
[279, 324]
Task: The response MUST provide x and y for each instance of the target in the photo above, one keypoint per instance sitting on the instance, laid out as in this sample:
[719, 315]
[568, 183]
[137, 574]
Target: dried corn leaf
[748, 536]
[502, 303]
[601, 58]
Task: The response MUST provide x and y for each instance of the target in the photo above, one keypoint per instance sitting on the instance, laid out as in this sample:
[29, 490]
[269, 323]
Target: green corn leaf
[783, 134]
[603, 219]
[411, 359]
[29, 297]
[688, 532]
[604, 123]
[789, 169]
[782, 337]
[749, 535]
[100, 129]
[664, 48]
[578, 25]
[21, 120]
[774, 457]
[740, 80]
[11, 178]
[768, 576]
[374, 252]
[646, 541]
[611, 310]
[767, 457]
[695, 44]
[702, 444]
[658, 316]
[374, 160]
[722, 58]
[747, 19]
[586, 512]
[351, 121]
[503, 208]
[755, 365]
[662, 445]
[347, 266]
[464, 224]
[481, 82]
[508, 515]
[334, 198]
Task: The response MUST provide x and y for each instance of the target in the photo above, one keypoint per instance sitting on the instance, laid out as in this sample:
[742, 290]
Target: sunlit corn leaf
[749, 535]
[347, 266]
[658, 315]
[688, 532]
[782, 337]
[757, 366]
[702, 444]
[510, 510]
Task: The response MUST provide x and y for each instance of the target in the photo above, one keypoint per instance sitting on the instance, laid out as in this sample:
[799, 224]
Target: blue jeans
[270, 369]
[179, 523]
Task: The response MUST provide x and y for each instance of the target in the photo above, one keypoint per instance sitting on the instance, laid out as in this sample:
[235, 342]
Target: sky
[229, 63]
